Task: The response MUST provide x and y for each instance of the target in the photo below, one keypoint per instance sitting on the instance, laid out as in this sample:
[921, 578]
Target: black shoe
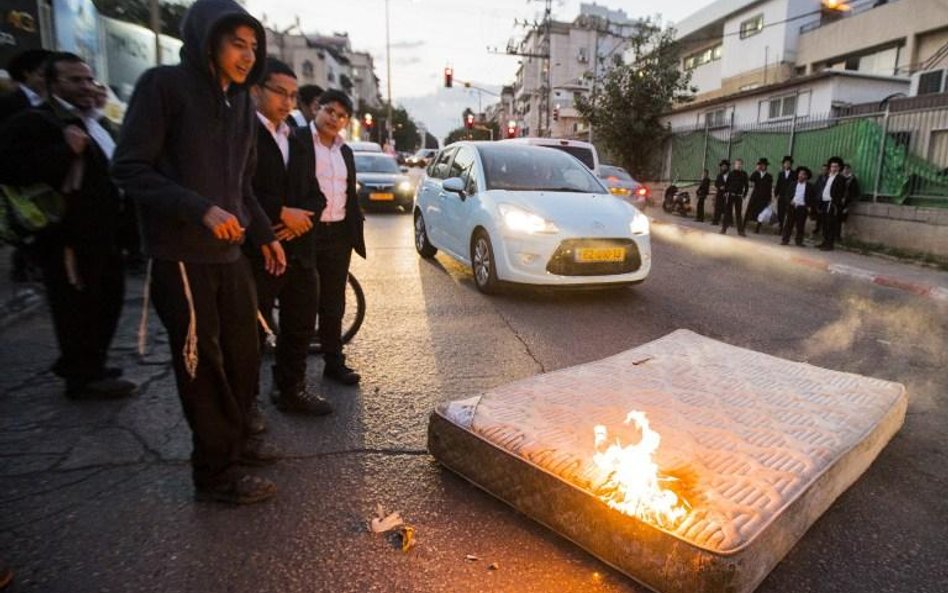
[105, 373]
[785, 242]
[742, 233]
[825, 247]
[722, 232]
[340, 373]
[237, 489]
[99, 389]
[301, 402]
[799, 244]
[258, 453]
[256, 422]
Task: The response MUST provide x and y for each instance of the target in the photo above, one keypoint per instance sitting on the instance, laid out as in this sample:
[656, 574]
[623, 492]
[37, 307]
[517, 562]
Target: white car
[526, 214]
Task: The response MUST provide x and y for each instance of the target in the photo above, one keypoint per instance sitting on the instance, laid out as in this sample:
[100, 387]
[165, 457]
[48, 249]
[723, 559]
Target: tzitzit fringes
[190, 352]
[143, 320]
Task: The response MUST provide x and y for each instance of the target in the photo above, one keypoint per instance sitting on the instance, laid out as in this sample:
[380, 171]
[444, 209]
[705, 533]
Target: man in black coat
[760, 196]
[704, 188]
[735, 188]
[64, 145]
[285, 185]
[27, 69]
[783, 189]
[338, 229]
[803, 197]
[724, 171]
[832, 200]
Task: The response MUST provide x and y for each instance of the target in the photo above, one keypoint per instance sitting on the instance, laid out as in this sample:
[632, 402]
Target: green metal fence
[898, 157]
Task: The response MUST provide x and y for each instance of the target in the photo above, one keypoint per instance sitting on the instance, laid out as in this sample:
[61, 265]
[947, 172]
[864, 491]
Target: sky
[427, 35]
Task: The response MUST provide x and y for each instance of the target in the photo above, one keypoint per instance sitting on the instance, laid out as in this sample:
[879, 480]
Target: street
[97, 496]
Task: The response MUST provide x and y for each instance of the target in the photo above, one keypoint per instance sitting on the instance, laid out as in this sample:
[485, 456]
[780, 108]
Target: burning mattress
[753, 449]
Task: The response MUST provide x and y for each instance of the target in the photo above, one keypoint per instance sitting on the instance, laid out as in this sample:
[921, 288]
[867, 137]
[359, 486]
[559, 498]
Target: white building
[758, 61]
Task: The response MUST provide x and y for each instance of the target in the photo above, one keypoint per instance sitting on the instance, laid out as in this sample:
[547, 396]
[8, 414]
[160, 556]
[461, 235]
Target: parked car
[360, 146]
[526, 214]
[584, 151]
[380, 182]
[421, 158]
[621, 184]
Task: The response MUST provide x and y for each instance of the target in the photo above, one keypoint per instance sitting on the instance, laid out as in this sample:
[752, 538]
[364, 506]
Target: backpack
[26, 211]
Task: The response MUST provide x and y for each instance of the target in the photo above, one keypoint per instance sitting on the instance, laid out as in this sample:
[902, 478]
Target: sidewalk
[16, 300]
[924, 281]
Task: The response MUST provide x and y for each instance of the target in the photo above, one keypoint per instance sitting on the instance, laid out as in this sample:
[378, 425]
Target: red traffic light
[367, 120]
[469, 121]
[448, 76]
[511, 129]
[556, 113]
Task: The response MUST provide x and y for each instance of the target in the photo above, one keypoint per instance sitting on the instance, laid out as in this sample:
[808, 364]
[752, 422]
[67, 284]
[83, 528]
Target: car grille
[563, 262]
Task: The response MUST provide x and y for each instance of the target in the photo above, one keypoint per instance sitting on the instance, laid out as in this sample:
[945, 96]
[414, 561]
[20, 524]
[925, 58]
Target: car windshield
[376, 163]
[530, 168]
[582, 153]
[606, 171]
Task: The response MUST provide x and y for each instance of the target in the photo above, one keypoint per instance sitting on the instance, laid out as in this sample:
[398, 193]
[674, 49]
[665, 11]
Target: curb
[924, 290]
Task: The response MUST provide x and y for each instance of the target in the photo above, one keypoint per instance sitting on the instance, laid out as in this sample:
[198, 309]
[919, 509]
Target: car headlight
[404, 186]
[517, 219]
[639, 224]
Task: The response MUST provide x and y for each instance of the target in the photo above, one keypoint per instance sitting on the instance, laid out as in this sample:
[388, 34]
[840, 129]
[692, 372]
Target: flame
[634, 485]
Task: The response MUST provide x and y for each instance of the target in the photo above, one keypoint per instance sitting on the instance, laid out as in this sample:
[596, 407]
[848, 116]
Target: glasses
[282, 93]
[340, 115]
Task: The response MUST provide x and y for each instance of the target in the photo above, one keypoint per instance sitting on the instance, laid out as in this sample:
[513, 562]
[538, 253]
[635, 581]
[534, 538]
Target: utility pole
[548, 20]
[388, 82]
[155, 9]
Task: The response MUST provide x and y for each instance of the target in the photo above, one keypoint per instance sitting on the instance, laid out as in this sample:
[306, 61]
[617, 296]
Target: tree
[139, 13]
[626, 112]
[404, 132]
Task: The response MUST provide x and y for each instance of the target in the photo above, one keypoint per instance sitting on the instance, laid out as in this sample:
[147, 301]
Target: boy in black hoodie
[186, 155]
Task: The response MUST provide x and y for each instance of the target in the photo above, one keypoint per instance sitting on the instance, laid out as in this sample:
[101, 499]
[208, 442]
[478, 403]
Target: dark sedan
[381, 182]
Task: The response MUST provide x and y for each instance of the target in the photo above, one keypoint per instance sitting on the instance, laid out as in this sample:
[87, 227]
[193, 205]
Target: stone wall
[910, 228]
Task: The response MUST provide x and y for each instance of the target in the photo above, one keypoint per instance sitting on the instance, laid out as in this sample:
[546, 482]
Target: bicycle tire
[350, 324]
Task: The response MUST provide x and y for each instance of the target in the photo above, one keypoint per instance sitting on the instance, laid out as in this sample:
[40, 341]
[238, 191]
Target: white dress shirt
[332, 175]
[34, 99]
[799, 196]
[827, 197]
[93, 127]
[281, 135]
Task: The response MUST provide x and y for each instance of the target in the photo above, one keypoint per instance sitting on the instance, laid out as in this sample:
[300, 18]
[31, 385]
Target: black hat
[763, 161]
[809, 174]
[787, 158]
[724, 163]
[835, 159]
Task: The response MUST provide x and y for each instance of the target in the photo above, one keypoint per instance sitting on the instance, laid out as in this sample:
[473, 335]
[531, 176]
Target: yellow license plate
[600, 254]
[381, 197]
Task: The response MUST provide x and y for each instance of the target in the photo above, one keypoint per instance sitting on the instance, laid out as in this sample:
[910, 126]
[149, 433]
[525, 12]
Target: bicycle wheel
[353, 317]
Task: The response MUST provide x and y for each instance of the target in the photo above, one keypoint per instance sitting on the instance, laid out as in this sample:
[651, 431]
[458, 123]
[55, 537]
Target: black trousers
[298, 292]
[719, 202]
[796, 219]
[333, 254]
[699, 211]
[85, 316]
[733, 208]
[783, 206]
[217, 398]
[829, 217]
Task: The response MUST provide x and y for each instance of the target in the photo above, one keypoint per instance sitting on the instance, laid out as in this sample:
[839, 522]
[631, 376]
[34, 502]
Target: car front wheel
[482, 263]
[422, 245]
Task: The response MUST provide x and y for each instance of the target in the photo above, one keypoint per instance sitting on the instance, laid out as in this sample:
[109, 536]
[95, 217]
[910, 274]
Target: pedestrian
[832, 198]
[307, 103]
[735, 188]
[27, 70]
[286, 188]
[803, 198]
[853, 195]
[186, 156]
[64, 144]
[784, 187]
[760, 197]
[820, 184]
[704, 188]
[339, 229]
[724, 171]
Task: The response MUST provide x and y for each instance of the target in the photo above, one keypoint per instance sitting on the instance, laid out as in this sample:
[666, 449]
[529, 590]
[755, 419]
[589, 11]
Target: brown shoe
[258, 453]
[236, 489]
[301, 402]
[256, 422]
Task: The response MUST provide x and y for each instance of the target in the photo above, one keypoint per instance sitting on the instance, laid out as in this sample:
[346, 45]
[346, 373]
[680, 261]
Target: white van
[584, 151]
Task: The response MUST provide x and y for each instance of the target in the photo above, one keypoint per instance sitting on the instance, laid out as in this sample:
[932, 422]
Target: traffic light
[368, 121]
[556, 113]
[448, 76]
[469, 121]
[511, 129]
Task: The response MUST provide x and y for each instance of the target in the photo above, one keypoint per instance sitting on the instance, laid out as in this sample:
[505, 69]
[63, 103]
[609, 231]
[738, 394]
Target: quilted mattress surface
[746, 433]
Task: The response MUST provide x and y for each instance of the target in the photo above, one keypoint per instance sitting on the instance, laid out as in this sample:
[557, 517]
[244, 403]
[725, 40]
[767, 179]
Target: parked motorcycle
[676, 201]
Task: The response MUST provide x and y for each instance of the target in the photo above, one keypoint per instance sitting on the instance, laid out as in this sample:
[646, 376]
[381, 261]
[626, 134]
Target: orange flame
[634, 485]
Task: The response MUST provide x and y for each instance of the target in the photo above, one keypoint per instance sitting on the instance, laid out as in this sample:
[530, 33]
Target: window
[463, 167]
[702, 57]
[752, 26]
[439, 167]
[714, 119]
[930, 82]
[782, 107]
[308, 69]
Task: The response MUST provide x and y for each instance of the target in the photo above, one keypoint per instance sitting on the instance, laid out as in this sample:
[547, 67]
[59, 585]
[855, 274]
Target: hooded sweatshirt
[187, 145]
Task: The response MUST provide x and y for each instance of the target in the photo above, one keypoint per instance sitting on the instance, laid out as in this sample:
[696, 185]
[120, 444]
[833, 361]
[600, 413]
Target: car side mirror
[454, 185]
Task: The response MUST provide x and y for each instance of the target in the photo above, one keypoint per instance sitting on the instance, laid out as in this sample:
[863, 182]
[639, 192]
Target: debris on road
[471, 558]
[383, 522]
[493, 566]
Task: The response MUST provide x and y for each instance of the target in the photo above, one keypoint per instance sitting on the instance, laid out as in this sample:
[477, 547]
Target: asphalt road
[96, 496]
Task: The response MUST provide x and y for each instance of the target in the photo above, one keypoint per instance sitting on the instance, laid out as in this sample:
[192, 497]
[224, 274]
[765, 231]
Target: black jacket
[33, 150]
[355, 219]
[763, 186]
[13, 103]
[737, 183]
[187, 145]
[704, 188]
[292, 185]
[720, 182]
[784, 185]
[837, 191]
[811, 197]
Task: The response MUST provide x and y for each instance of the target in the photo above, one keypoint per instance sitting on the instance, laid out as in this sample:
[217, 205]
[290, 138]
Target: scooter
[676, 201]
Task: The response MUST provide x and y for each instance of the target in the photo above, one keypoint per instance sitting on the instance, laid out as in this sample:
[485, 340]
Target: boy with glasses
[338, 229]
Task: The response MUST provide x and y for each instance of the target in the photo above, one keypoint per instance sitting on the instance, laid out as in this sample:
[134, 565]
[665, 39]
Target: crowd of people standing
[242, 191]
[788, 201]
